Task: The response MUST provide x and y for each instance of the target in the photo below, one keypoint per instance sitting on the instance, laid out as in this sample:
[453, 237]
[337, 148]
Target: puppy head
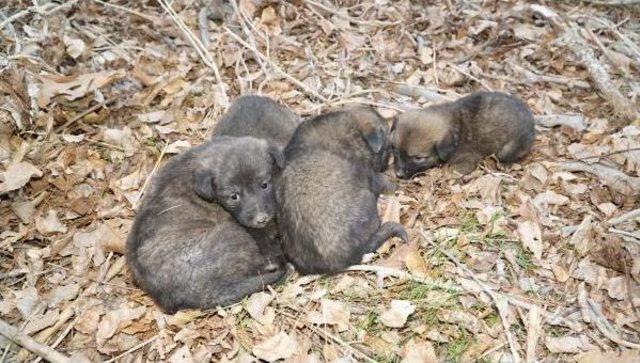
[421, 140]
[237, 175]
[374, 131]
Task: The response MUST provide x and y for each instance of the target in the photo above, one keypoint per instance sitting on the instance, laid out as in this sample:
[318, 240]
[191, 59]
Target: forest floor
[536, 261]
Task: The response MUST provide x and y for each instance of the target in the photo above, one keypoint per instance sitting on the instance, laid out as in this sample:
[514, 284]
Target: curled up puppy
[462, 133]
[192, 243]
[260, 117]
[327, 193]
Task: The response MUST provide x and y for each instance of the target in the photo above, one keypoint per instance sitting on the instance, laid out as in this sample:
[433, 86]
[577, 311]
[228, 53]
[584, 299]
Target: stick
[150, 340]
[146, 17]
[416, 91]
[403, 275]
[202, 51]
[599, 75]
[606, 329]
[625, 217]
[284, 74]
[31, 344]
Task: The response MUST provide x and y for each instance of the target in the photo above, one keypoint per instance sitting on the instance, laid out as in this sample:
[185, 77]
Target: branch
[31, 344]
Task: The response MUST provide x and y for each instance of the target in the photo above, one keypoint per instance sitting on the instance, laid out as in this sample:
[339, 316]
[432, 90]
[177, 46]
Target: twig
[149, 18]
[599, 75]
[349, 18]
[252, 40]
[416, 91]
[202, 24]
[13, 273]
[133, 349]
[634, 236]
[60, 338]
[614, 178]
[202, 51]
[327, 334]
[86, 112]
[625, 217]
[610, 153]
[482, 83]
[153, 171]
[31, 344]
[606, 329]
[574, 121]
[387, 271]
[275, 67]
[500, 301]
[613, 2]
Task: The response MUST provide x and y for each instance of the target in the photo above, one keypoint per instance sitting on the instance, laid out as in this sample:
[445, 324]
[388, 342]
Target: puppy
[195, 241]
[260, 117]
[462, 133]
[327, 193]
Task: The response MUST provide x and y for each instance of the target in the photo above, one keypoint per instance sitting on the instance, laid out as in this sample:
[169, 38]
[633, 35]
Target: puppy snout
[400, 173]
[261, 219]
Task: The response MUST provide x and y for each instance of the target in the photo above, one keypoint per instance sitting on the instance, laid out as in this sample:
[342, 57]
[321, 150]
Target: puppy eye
[265, 185]
[419, 159]
[234, 197]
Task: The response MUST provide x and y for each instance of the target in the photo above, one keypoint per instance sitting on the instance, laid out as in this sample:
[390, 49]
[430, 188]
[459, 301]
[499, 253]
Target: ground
[535, 261]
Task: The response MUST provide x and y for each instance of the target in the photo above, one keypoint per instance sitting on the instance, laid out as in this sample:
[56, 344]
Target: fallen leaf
[63, 293]
[280, 346]
[256, 307]
[17, 175]
[41, 321]
[50, 224]
[74, 87]
[177, 147]
[26, 300]
[418, 352]
[416, 264]
[582, 238]
[181, 355]
[75, 46]
[116, 320]
[397, 315]
[333, 313]
[531, 237]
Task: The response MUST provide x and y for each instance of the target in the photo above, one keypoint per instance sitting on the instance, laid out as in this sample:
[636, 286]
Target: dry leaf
[50, 224]
[280, 346]
[177, 147]
[582, 238]
[397, 315]
[333, 313]
[256, 307]
[418, 352]
[75, 46]
[74, 87]
[416, 264]
[531, 237]
[63, 293]
[116, 320]
[17, 175]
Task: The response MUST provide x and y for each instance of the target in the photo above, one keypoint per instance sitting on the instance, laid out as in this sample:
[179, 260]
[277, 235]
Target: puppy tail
[386, 231]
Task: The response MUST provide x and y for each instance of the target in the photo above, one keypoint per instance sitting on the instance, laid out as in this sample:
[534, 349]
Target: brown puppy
[189, 246]
[462, 133]
[327, 193]
[260, 117]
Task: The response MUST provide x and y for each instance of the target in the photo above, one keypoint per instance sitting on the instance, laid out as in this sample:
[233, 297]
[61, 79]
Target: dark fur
[462, 133]
[186, 248]
[260, 117]
[327, 193]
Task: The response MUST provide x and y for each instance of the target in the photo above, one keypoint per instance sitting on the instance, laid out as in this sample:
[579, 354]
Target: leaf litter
[539, 258]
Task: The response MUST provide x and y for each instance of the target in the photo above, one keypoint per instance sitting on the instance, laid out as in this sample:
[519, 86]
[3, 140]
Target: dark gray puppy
[260, 117]
[327, 193]
[462, 133]
[188, 247]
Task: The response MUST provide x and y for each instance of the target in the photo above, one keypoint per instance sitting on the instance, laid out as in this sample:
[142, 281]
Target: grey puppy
[462, 133]
[260, 117]
[327, 193]
[189, 246]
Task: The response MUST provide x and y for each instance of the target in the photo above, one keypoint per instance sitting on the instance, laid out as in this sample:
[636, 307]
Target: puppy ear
[203, 180]
[446, 146]
[277, 155]
[375, 139]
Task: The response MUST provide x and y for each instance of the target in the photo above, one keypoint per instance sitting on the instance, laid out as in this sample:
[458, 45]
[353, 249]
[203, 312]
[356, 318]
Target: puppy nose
[261, 219]
[400, 173]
